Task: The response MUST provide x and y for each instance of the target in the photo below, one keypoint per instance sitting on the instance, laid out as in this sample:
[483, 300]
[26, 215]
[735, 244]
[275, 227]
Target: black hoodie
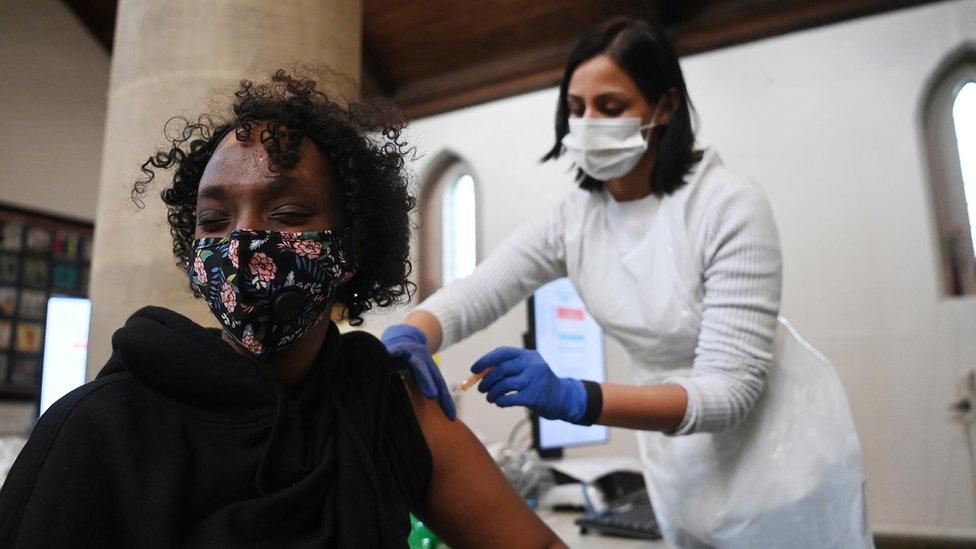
[180, 441]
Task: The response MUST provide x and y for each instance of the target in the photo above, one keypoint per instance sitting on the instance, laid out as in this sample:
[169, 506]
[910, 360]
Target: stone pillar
[168, 56]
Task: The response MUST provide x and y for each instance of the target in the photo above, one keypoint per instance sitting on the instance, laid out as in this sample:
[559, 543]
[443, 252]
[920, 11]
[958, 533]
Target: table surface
[562, 523]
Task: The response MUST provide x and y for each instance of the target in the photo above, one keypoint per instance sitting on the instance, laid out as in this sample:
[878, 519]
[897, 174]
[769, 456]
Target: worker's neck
[636, 184]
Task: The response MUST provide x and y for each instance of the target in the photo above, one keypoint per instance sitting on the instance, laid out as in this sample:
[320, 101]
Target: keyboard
[629, 516]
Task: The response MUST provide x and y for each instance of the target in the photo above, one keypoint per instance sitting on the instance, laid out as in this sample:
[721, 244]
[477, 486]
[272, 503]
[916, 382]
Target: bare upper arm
[469, 503]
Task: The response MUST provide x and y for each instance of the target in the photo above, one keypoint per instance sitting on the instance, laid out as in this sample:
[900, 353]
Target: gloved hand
[405, 342]
[521, 377]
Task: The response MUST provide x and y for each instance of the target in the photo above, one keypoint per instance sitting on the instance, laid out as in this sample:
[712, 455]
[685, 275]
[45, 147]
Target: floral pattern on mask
[240, 276]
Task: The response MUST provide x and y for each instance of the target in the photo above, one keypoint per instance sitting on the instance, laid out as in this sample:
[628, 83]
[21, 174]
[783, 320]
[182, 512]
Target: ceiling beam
[724, 25]
[486, 81]
[733, 22]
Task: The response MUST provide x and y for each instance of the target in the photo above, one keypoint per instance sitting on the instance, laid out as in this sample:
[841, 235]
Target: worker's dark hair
[363, 144]
[646, 55]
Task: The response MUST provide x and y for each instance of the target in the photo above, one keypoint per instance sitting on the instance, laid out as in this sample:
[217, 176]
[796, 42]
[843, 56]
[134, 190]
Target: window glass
[964, 120]
[459, 236]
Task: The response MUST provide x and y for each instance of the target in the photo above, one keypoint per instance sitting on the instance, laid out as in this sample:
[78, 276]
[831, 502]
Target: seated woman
[274, 431]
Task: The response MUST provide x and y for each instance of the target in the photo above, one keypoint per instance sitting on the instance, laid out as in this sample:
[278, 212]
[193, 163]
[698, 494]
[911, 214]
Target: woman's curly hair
[362, 143]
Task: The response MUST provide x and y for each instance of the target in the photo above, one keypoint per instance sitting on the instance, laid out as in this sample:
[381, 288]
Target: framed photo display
[40, 255]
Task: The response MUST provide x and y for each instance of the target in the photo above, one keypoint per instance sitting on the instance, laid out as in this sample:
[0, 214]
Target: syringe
[464, 385]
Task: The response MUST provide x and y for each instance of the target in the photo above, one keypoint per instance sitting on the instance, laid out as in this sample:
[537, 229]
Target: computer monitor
[571, 342]
[65, 348]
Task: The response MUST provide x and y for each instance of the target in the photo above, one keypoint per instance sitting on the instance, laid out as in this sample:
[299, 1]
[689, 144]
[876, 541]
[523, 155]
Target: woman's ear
[669, 102]
[338, 312]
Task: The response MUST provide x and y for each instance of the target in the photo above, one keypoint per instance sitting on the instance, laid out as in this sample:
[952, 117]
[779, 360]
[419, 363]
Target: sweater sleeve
[529, 258]
[742, 288]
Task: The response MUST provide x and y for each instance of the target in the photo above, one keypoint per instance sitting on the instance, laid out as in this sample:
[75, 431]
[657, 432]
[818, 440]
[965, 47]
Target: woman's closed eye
[611, 108]
[607, 110]
[290, 215]
[211, 222]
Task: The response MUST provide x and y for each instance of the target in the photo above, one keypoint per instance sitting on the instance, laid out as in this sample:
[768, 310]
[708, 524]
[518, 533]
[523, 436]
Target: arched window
[458, 229]
[448, 243]
[949, 122]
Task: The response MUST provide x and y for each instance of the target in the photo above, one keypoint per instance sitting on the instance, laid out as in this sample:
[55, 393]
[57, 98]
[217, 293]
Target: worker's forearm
[647, 408]
[429, 325]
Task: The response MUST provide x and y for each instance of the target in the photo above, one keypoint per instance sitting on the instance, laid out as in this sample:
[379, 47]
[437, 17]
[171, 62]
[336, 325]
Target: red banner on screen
[569, 313]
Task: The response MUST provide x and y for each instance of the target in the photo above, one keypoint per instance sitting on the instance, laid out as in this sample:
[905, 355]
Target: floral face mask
[267, 288]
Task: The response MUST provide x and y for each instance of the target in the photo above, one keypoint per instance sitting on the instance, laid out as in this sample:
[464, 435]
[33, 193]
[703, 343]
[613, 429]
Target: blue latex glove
[405, 342]
[521, 377]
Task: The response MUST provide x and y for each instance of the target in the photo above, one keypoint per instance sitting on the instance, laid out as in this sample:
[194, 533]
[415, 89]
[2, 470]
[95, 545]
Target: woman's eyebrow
[611, 95]
[278, 182]
[214, 192]
[271, 186]
[602, 97]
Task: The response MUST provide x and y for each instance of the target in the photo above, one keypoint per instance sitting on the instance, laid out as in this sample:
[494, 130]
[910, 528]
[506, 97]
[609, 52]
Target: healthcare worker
[744, 431]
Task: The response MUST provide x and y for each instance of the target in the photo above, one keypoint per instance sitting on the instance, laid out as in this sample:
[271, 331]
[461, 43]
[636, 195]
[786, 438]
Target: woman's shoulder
[716, 190]
[109, 397]
[102, 414]
[370, 372]
[81, 427]
[366, 366]
[360, 345]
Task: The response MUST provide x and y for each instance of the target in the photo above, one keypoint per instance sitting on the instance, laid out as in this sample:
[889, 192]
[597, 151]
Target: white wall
[826, 121]
[52, 104]
[52, 107]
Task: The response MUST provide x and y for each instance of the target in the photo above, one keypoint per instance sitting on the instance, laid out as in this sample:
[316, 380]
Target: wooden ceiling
[433, 56]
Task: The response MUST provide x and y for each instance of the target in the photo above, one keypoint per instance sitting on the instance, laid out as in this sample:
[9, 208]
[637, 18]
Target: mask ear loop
[653, 123]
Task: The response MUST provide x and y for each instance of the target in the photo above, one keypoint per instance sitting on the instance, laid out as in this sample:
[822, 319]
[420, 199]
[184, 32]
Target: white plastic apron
[790, 474]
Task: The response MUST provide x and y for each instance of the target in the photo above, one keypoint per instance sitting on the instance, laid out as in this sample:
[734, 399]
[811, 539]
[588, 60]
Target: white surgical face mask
[605, 148]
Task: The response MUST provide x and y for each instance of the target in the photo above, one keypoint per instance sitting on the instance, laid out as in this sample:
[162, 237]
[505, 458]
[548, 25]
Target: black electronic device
[629, 516]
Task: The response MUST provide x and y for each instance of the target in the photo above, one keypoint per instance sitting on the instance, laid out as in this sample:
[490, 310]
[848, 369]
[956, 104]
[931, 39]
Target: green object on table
[421, 537]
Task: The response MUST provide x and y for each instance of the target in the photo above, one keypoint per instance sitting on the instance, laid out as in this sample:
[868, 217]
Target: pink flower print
[229, 297]
[251, 343]
[232, 252]
[307, 248]
[199, 269]
[288, 240]
[263, 268]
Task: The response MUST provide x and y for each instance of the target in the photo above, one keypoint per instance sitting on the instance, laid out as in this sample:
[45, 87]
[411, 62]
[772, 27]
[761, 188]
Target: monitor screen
[571, 342]
[65, 348]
